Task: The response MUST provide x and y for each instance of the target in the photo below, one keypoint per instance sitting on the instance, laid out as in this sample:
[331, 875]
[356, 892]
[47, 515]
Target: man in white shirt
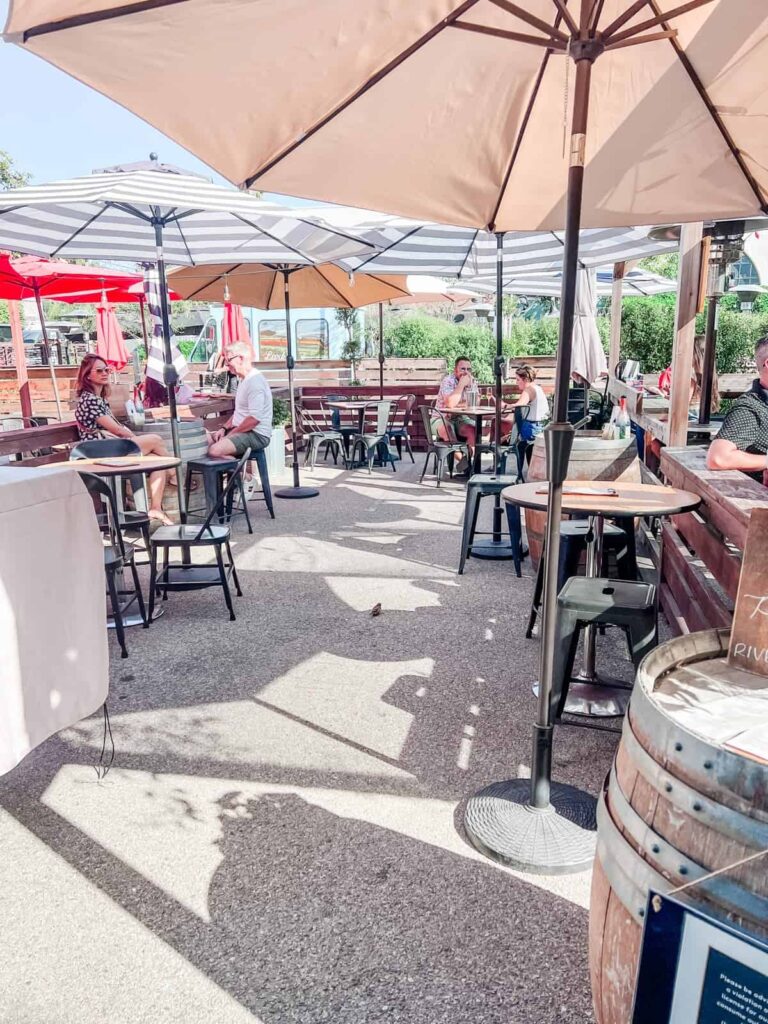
[250, 425]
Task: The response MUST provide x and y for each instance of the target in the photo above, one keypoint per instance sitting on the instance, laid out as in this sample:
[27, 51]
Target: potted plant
[281, 416]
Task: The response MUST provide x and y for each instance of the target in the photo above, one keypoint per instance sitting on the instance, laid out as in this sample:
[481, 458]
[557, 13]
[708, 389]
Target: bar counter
[701, 551]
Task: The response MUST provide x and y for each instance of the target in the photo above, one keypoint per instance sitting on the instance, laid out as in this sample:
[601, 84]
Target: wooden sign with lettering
[749, 634]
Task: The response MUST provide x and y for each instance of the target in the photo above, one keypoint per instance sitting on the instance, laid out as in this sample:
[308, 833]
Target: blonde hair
[239, 348]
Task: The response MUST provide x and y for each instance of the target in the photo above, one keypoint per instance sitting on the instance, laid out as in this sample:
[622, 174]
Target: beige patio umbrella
[280, 286]
[665, 121]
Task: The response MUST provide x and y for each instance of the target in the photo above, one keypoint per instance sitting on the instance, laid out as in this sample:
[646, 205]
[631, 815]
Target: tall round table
[589, 694]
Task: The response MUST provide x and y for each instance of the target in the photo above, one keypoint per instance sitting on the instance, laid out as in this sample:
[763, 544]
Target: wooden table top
[123, 464]
[356, 404]
[631, 499]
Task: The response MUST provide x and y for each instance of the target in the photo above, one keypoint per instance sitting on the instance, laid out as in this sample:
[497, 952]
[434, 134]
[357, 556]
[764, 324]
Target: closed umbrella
[110, 344]
[233, 326]
[157, 366]
[280, 287]
[588, 355]
[676, 134]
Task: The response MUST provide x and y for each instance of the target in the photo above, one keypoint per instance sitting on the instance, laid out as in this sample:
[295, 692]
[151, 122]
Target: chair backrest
[402, 410]
[103, 495]
[310, 424]
[376, 417]
[104, 448]
[335, 414]
[221, 504]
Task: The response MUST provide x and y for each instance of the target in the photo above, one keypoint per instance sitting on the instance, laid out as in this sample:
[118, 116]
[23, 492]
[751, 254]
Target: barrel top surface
[718, 702]
[631, 499]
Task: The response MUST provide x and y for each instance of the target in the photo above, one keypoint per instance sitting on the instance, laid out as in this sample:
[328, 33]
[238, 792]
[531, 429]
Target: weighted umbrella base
[595, 700]
[490, 548]
[296, 492]
[557, 840]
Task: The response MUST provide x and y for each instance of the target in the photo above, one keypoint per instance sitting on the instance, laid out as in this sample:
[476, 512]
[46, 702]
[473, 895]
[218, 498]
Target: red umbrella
[32, 277]
[234, 326]
[110, 344]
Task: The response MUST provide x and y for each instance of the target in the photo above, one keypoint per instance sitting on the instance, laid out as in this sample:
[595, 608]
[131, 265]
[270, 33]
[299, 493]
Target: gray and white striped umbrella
[636, 282]
[156, 351]
[414, 247]
[111, 216]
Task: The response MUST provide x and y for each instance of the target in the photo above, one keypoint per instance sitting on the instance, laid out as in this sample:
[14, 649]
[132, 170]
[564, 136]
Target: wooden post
[20, 358]
[688, 288]
[619, 269]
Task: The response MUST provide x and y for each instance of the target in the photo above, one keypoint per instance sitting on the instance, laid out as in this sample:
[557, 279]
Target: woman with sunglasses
[95, 420]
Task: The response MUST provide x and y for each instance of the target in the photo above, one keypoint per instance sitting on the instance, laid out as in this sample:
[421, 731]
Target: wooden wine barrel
[194, 444]
[592, 458]
[678, 804]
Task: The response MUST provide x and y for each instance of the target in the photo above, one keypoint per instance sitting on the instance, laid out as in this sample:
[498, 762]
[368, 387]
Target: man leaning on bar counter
[742, 442]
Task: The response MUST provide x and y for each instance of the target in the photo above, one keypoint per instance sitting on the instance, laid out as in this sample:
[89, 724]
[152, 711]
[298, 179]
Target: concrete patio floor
[280, 839]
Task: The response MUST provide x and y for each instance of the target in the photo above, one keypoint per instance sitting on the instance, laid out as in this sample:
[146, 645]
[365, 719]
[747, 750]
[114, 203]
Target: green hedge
[647, 330]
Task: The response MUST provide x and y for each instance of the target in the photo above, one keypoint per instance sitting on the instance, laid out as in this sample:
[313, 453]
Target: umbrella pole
[381, 351]
[716, 289]
[169, 370]
[498, 361]
[537, 825]
[297, 491]
[47, 347]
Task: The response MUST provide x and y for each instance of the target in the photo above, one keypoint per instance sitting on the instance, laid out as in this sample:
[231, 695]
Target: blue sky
[54, 127]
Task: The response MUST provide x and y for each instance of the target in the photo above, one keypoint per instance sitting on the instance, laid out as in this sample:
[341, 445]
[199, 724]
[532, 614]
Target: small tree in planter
[350, 320]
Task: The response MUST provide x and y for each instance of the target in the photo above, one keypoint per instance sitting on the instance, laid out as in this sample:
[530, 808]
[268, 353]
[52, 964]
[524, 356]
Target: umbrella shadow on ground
[339, 920]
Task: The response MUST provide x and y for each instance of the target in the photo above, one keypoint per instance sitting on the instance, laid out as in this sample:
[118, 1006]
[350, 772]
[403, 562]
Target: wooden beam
[20, 358]
[685, 329]
[636, 40]
[502, 33]
[659, 19]
[566, 15]
[531, 19]
[619, 269]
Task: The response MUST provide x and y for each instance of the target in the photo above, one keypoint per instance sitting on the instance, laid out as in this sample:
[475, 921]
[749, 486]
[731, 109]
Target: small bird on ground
[376, 610]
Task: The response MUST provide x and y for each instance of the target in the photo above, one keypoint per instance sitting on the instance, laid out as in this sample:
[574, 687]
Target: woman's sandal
[158, 516]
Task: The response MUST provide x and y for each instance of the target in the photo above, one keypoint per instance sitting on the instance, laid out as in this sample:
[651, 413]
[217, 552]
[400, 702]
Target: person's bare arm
[245, 425]
[111, 426]
[457, 396]
[526, 397]
[724, 454]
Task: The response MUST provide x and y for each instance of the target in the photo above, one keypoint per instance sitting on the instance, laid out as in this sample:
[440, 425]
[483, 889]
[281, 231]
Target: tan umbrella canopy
[626, 111]
[357, 102]
[280, 286]
[263, 286]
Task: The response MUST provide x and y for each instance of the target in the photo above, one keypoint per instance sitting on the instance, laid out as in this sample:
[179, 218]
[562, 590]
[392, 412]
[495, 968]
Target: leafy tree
[666, 264]
[10, 175]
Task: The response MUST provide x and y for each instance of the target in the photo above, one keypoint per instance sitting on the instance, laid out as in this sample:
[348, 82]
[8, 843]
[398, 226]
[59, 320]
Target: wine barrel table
[680, 802]
[592, 458]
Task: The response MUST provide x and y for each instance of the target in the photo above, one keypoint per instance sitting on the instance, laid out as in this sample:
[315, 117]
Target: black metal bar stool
[574, 537]
[599, 601]
[480, 486]
[215, 473]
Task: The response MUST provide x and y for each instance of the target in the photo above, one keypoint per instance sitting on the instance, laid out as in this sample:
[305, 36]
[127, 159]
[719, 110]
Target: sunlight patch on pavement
[308, 554]
[140, 816]
[346, 697]
[363, 592]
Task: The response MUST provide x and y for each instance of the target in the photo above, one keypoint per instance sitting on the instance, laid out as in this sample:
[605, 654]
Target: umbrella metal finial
[153, 157]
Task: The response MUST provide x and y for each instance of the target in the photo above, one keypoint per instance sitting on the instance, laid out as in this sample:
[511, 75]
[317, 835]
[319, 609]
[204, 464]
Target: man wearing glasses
[743, 439]
[250, 425]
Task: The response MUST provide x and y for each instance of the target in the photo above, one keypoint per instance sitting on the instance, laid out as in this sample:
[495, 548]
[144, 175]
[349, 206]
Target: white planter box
[276, 452]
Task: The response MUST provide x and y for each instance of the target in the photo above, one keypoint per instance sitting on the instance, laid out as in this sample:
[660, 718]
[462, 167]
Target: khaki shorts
[251, 439]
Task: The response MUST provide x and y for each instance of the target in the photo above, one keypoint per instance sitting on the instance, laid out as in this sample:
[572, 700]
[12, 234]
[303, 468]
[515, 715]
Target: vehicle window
[312, 338]
[273, 341]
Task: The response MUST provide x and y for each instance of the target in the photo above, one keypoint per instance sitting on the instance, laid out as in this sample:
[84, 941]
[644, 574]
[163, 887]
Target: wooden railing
[701, 551]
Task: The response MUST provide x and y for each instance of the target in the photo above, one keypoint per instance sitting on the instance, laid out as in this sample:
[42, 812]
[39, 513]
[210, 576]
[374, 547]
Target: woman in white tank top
[531, 395]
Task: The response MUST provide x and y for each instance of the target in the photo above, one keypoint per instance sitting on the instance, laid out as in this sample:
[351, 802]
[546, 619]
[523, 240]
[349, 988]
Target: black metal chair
[109, 448]
[399, 423]
[583, 602]
[444, 451]
[347, 432]
[216, 474]
[186, 576]
[374, 439]
[117, 555]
